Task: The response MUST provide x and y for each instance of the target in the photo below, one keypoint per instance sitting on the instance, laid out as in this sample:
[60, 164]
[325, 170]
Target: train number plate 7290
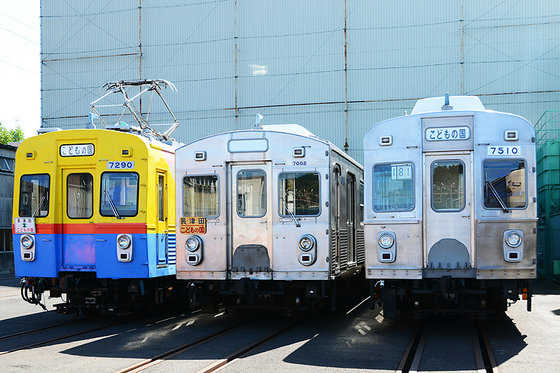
[120, 165]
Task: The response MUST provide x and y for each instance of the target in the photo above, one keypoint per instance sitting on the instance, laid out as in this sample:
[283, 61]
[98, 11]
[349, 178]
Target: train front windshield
[504, 184]
[80, 196]
[119, 194]
[299, 193]
[393, 187]
[34, 193]
[200, 196]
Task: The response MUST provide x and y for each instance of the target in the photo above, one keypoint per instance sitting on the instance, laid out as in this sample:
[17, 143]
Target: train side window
[119, 190]
[448, 186]
[251, 193]
[161, 198]
[299, 194]
[79, 194]
[34, 193]
[505, 184]
[393, 187]
[201, 196]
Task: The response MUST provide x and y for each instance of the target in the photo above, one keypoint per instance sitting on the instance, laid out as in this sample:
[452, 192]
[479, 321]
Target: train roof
[455, 103]
[295, 129]
[78, 133]
[288, 129]
[291, 129]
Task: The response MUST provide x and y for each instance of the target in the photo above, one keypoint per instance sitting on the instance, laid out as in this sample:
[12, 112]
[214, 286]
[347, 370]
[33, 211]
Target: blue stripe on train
[95, 253]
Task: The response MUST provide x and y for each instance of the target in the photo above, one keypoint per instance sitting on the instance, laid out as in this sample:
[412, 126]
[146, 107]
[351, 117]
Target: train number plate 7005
[120, 165]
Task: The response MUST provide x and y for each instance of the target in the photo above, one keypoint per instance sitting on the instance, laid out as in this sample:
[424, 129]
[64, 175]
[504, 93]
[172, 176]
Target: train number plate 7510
[503, 150]
[120, 165]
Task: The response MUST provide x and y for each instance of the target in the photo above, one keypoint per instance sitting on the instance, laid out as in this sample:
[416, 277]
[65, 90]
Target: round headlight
[27, 241]
[123, 241]
[386, 240]
[192, 243]
[513, 239]
[306, 243]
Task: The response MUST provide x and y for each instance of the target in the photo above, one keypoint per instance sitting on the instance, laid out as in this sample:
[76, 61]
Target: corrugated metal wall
[333, 66]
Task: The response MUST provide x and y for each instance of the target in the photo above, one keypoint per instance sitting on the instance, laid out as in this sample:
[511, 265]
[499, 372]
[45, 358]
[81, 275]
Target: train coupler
[32, 290]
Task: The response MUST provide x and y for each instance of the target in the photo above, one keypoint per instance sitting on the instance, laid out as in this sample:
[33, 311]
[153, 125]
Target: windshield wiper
[497, 195]
[38, 206]
[112, 204]
[290, 212]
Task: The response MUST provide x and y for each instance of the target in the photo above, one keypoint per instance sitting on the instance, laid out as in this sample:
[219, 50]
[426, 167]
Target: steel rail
[144, 364]
[61, 338]
[32, 331]
[484, 357]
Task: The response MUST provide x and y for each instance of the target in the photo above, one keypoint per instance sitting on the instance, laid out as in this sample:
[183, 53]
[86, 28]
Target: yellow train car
[94, 219]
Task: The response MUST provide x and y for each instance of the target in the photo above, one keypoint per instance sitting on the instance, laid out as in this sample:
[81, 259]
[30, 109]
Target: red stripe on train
[99, 228]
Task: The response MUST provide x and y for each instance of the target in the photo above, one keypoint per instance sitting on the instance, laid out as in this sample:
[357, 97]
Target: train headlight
[27, 241]
[124, 241]
[514, 239]
[386, 247]
[27, 247]
[307, 243]
[386, 240]
[193, 243]
[124, 248]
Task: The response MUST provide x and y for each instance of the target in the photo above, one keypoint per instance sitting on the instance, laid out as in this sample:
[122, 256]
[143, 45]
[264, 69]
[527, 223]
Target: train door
[351, 199]
[337, 218]
[78, 235]
[251, 219]
[162, 221]
[448, 211]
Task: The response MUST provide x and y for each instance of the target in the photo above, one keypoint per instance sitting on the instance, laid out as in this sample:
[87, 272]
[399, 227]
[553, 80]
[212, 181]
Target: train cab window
[34, 193]
[393, 187]
[251, 193]
[79, 194]
[119, 194]
[448, 186]
[505, 184]
[299, 194]
[201, 196]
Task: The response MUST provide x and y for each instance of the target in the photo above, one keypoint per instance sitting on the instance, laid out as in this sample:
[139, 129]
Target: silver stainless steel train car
[450, 209]
[269, 218]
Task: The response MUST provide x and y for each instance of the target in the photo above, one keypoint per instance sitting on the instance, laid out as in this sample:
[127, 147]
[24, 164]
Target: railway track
[140, 366]
[37, 330]
[483, 355]
[230, 358]
[55, 339]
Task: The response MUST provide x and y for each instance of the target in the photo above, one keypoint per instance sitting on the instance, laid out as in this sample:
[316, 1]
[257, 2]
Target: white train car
[450, 209]
[268, 218]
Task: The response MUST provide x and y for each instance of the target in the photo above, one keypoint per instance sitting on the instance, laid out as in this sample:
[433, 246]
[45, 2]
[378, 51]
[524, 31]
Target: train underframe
[289, 298]
[446, 295]
[90, 295]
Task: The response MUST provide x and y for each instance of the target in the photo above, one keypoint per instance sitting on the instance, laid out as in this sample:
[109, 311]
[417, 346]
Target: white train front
[268, 218]
[450, 209]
